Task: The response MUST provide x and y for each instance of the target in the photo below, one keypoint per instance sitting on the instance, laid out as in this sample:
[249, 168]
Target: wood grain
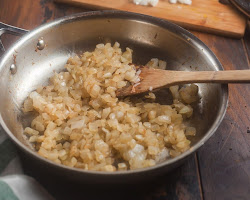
[181, 184]
[225, 159]
[246, 42]
[204, 15]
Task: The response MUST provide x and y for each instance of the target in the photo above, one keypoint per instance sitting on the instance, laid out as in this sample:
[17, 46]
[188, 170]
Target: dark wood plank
[225, 159]
[246, 41]
[29, 14]
[181, 184]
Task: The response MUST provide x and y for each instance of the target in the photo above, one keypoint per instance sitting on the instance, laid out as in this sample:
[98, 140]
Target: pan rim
[184, 34]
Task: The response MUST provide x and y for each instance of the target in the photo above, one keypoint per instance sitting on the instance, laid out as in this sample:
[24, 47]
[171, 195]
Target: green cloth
[6, 192]
[7, 153]
[13, 184]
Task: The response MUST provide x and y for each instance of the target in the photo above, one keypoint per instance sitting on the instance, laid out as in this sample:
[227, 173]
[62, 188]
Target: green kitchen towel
[6, 192]
[13, 184]
[7, 153]
[21, 187]
[9, 162]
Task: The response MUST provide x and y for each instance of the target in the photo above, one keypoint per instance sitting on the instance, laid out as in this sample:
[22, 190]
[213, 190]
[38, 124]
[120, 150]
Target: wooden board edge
[237, 35]
[85, 5]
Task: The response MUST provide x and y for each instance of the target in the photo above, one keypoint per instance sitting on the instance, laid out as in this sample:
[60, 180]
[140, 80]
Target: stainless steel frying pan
[32, 60]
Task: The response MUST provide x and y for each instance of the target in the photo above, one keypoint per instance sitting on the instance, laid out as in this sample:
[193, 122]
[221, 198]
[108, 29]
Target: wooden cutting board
[203, 15]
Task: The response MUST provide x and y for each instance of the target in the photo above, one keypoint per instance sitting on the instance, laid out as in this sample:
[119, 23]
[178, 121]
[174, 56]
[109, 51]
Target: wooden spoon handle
[156, 78]
[230, 76]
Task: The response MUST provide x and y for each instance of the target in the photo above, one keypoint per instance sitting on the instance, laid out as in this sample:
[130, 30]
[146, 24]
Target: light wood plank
[203, 15]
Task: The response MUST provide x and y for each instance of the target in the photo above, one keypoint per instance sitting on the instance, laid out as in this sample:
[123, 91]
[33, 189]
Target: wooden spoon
[155, 78]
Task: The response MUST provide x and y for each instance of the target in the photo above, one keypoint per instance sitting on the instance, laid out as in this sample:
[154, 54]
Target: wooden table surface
[220, 170]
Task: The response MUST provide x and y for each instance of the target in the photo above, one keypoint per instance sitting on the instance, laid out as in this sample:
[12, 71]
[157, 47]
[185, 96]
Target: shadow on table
[177, 184]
